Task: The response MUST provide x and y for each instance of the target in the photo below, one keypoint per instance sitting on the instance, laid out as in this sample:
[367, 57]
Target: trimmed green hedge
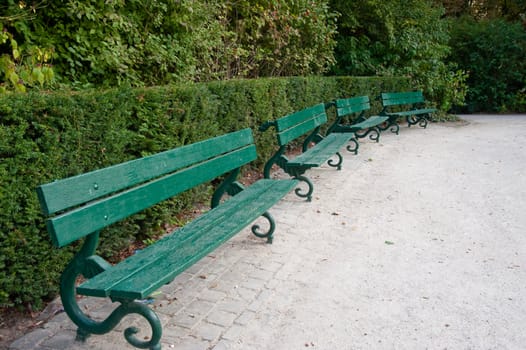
[56, 135]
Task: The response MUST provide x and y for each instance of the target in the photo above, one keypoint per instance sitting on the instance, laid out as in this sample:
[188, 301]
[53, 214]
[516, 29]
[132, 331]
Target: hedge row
[56, 135]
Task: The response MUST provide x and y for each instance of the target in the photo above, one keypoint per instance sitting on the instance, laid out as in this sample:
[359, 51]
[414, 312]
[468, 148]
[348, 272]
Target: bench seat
[325, 149]
[370, 122]
[141, 274]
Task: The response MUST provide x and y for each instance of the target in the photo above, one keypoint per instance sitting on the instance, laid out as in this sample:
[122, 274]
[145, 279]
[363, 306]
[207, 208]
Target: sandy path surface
[419, 243]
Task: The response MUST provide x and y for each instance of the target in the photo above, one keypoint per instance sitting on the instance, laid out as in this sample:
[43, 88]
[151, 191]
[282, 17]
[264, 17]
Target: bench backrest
[401, 98]
[88, 202]
[358, 104]
[294, 125]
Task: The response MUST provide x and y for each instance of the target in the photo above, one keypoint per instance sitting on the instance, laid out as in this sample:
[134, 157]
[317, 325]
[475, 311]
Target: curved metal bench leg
[395, 128]
[85, 263]
[423, 122]
[298, 190]
[377, 139]
[355, 148]
[414, 120]
[269, 235]
[337, 164]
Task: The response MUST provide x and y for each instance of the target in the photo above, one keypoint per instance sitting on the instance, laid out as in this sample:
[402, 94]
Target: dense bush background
[55, 135]
[108, 43]
[111, 43]
[404, 38]
[493, 52]
[93, 43]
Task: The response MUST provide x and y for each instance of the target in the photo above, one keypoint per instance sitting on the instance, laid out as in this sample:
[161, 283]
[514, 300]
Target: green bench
[79, 207]
[361, 125]
[409, 105]
[316, 149]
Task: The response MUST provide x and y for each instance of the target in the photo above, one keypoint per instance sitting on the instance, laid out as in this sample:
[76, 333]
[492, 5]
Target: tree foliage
[511, 10]
[493, 53]
[279, 38]
[84, 43]
[111, 42]
[22, 66]
[398, 38]
[108, 43]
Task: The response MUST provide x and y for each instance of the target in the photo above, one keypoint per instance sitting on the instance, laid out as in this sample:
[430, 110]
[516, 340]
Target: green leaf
[16, 54]
[13, 77]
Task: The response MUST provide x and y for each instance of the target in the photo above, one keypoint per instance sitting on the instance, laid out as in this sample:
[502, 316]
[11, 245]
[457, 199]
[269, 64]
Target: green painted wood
[141, 274]
[352, 105]
[323, 150]
[401, 98]
[82, 221]
[67, 193]
[369, 123]
[298, 117]
[294, 125]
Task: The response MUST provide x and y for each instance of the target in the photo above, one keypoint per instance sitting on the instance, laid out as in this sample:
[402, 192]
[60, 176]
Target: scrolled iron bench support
[86, 264]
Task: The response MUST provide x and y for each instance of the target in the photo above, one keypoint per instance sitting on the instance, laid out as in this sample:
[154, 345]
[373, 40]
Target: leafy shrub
[19, 68]
[55, 135]
[493, 52]
[395, 38]
[280, 38]
[144, 43]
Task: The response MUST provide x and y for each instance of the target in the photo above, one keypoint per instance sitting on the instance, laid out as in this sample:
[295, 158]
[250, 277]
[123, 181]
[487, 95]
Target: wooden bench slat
[171, 255]
[101, 284]
[67, 193]
[299, 123]
[398, 98]
[239, 217]
[288, 135]
[79, 222]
